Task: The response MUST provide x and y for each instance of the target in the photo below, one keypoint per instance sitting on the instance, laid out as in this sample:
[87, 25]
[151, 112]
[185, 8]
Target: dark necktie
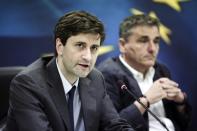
[70, 106]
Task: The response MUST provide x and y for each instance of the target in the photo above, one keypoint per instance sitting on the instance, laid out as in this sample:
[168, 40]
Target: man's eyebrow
[158, 37]
[82, 42]
[96, 45]
[143, 37]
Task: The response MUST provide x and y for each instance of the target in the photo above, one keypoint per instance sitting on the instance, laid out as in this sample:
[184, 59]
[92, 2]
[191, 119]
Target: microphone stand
[124, 87]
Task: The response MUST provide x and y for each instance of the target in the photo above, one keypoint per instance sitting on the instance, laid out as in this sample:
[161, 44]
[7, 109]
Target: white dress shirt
[78, 117]
[145, 82]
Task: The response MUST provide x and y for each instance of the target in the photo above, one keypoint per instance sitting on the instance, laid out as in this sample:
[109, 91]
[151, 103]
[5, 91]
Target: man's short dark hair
[136, 20]
[76, 22]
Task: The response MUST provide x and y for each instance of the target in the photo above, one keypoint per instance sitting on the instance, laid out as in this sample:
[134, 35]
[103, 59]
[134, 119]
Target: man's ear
[59, 47]
[121, 44]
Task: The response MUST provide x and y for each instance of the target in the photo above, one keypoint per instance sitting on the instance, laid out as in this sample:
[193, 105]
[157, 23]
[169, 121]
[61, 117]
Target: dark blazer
[113, 70]
[38, 101]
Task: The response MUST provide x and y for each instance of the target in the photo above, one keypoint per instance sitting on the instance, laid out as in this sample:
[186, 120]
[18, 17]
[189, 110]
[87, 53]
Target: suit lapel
[88, 103]
[135, 87]
[57, 91]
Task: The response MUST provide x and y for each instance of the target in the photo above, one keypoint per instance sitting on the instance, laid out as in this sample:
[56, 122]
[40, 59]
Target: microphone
[124, 87]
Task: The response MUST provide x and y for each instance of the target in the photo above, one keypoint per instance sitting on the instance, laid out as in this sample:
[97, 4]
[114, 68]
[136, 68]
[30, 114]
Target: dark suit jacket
[113, 70]
[38, 101]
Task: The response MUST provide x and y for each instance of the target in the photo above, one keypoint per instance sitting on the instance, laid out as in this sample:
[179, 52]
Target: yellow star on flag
[172, 3]
[105, 49]
[164, 31]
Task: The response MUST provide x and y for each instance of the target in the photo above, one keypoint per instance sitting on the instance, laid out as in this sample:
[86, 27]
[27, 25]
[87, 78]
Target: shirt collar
[67, 86]
[136, 74]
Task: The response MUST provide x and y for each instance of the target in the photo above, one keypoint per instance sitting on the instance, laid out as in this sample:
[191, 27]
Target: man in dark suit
[65, 92]
[149, 80]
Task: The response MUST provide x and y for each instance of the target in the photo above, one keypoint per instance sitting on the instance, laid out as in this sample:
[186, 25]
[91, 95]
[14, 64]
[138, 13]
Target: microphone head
[122, 85]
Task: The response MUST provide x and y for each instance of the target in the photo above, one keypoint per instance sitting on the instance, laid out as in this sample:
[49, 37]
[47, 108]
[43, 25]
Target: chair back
[6, 75]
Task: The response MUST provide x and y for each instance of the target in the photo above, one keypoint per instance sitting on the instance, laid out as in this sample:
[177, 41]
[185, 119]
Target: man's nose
[87, 55]
[152, 47]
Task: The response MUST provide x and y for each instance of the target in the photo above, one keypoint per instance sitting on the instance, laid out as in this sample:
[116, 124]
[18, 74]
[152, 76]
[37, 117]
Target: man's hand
[173, 92]
[163, 88]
